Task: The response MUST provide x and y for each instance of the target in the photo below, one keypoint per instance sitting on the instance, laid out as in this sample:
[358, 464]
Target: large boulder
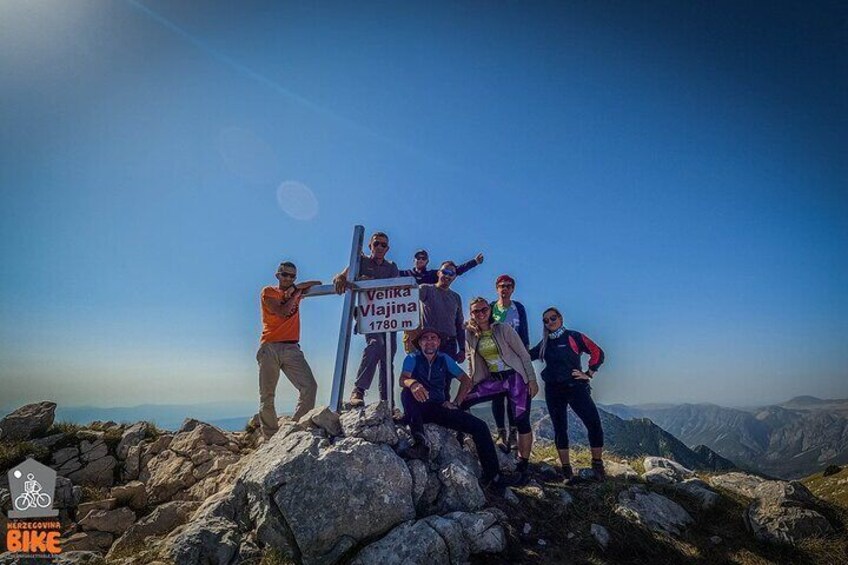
[373, 423]
[660, 476]
[87, 541]
[784, 512]
[161, 521]
[304, 496]
[169, 473]
[449, 539]
[740, 483]
[132, 436]
[445, 449]
[28, 421]
[321, 417]
[698, 489]
[97, 472]
[678, 471]
[622, 471]
[115, 521]
[460, 491]
[652, 511]
[132, 494]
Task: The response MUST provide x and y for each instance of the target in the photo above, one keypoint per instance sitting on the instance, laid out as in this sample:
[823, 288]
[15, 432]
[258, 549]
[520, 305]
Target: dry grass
[595, 503]
[14, 452]
[274, 557]
[833, 489]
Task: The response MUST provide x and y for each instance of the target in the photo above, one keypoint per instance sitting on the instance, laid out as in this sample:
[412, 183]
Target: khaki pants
[273, 357]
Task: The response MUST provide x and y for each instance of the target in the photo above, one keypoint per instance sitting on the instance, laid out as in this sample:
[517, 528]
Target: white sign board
[388, 310]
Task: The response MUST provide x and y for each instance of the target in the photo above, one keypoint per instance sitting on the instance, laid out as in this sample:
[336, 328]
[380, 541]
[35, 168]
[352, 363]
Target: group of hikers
[494, 341]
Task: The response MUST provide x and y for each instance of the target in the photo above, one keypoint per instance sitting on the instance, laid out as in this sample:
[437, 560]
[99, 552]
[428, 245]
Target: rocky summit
[333, 488]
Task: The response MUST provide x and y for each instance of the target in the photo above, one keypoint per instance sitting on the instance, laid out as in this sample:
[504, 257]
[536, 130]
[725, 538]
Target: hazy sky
[672, 175]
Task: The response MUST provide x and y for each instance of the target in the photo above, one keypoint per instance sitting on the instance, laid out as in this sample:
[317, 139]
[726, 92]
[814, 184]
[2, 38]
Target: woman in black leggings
[566, 384]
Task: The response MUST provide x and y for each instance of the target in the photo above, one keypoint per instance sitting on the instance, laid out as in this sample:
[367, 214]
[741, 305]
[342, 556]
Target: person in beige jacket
[500, 366]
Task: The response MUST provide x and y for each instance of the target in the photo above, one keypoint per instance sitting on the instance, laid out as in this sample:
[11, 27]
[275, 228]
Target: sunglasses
[551, 320]
[379, 244]
[506, 285]
[420, 258]
[479, 310]
[285, 275]
[448, 272]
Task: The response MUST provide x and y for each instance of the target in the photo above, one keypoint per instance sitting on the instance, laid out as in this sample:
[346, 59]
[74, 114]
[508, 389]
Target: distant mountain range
[789, 440]
[627, 438]
[167, 416]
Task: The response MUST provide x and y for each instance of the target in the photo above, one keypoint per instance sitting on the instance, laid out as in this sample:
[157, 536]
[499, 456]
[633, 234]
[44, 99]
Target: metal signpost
[386, 305]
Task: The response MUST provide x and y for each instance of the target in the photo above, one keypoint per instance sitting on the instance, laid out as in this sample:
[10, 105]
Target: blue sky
[672, 176]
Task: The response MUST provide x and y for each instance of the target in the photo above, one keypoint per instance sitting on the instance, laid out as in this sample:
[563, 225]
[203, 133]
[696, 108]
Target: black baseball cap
[422, 252]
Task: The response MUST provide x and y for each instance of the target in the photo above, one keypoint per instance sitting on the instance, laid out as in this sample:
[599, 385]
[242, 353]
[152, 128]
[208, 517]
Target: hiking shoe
[599, 470]
[521, 478]
[567, 473]
[357, 398]
[502, 443]
[399, 417]
[418, 450]
[512, 440]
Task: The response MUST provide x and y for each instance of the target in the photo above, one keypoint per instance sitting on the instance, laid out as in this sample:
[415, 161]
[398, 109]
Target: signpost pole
[343, 348]
[390, 386]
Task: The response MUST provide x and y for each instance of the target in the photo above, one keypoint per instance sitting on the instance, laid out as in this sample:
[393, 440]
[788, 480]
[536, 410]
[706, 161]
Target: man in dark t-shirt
[374, 266]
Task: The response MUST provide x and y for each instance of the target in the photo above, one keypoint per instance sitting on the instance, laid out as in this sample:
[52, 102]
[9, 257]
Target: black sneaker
[567, 473]
[418, 450]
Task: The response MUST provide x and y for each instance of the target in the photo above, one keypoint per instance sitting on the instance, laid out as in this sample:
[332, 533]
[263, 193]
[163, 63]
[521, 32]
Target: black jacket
[431, 276]
[562, 356]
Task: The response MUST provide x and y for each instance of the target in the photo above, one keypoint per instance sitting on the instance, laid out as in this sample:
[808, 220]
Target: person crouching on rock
[501, 366]
[423, 380]
[566, 384]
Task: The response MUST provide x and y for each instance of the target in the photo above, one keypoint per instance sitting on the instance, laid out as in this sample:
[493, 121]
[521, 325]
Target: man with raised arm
[279, 347]
[441, 309]
[423, 275]
[373, 266]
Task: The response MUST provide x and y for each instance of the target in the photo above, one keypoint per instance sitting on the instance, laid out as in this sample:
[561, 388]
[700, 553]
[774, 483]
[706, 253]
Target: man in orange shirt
[279, 348]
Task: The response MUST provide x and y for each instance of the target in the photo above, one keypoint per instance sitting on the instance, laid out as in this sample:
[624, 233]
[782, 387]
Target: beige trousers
[273, 357]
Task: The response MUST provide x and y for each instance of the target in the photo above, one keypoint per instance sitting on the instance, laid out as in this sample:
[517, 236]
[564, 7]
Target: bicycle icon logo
[32, 497]
[32, 486]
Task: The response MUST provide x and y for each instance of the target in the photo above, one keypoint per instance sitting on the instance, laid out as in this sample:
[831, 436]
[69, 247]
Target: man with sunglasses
[279, 348]
[424, 380]
[423, 275]
[441, 309]
[373, 266]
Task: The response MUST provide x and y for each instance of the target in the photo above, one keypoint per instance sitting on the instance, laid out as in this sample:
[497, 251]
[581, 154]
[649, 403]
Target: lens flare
[297, 200]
